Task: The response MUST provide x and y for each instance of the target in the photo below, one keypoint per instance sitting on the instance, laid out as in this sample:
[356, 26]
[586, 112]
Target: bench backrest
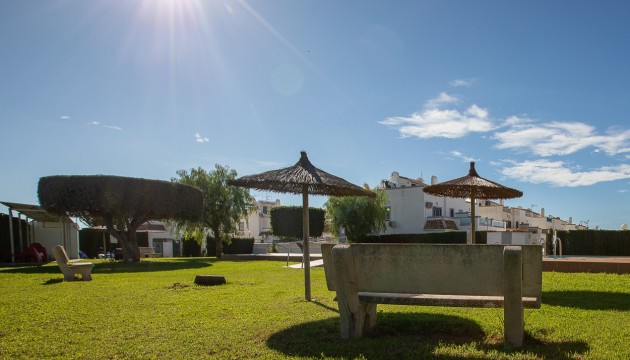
[436, 269]
[62, 259]
[60, 255]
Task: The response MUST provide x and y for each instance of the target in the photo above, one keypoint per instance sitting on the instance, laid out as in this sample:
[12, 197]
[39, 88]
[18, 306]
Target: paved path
[313, 263]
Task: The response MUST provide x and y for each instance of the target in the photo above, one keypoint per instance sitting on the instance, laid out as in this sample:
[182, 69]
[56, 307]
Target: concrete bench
[490, 276]
[70, 268]
[148, 252]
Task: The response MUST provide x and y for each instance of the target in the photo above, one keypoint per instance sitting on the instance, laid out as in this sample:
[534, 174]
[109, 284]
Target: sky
[535, 92]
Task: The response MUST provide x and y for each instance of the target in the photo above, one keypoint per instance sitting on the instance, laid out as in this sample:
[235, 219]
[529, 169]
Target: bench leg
[356, 320]
[512, 297]
[86, 274]
[68, 276]
[370, 318]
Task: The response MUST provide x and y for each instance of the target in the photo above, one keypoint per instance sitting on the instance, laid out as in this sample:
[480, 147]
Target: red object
[41, 249]
[32, 254]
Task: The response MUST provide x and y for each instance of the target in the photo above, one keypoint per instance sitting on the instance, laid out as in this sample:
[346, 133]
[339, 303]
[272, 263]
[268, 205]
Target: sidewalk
[314, 263]
[292, 257]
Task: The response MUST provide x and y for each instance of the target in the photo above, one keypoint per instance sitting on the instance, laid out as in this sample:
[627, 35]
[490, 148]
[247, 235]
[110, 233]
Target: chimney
[434, 180]
[542, 212]
[502, 202]
[570, 219]
[395, 178]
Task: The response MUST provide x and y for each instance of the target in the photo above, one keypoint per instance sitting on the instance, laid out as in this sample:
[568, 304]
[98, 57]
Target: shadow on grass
[102, 267]
[325, 306]
[417, 335]
[588, 300]
[53, 281]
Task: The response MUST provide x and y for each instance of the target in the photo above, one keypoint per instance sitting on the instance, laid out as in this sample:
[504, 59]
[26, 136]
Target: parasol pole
[472, 215]
[305, 232]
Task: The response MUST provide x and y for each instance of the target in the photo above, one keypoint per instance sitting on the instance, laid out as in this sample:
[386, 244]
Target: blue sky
[536, 92]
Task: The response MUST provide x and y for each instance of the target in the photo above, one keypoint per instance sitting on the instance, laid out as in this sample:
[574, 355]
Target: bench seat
[441, 300]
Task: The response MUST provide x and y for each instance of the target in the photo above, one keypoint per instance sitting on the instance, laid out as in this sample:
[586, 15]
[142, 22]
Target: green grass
[153, 310]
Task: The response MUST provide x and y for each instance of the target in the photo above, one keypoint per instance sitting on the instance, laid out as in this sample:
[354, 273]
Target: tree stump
[209, 280]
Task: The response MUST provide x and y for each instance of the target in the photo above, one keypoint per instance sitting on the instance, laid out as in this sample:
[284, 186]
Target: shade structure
[302, 178]
[474, 187]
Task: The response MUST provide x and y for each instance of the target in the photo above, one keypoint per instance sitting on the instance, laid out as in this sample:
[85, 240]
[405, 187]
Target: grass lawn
[153, 310]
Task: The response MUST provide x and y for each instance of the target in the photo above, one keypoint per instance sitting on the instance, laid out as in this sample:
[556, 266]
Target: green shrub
[286, 221]
[236, 246]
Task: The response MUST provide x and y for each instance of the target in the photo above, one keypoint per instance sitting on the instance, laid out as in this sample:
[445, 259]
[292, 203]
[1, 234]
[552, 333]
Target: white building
[258, 224]
[411, 211]
[532, 225]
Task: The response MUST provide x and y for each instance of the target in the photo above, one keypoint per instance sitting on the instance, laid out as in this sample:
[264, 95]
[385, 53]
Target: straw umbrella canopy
[474, 187]
[302, 178]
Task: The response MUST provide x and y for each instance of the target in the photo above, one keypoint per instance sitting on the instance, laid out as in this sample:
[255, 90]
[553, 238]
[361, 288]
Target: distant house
[161, 236]
[411, 211]
[258, 224]
[535, 225]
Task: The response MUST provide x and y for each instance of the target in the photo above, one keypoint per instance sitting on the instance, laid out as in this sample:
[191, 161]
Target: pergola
[36, 213]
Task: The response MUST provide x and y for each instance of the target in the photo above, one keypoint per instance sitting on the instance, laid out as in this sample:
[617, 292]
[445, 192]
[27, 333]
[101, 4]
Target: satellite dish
[624, 227]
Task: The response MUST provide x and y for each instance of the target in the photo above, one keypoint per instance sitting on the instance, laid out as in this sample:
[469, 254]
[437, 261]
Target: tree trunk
[127, 239]
[128, 243]
[132, 252]
[218, 242]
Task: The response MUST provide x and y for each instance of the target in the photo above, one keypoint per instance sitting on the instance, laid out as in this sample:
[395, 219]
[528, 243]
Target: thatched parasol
[474, 187]
[302, 178]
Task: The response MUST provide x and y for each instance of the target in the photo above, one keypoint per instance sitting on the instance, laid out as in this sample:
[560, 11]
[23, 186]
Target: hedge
[592, 242]
[236, 246]
[454, 237]
[286, 221]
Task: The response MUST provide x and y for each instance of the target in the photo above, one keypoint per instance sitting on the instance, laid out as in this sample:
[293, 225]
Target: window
[452, 212]
[265, 210]
[388, 213]
[241, 226]
[437, 211]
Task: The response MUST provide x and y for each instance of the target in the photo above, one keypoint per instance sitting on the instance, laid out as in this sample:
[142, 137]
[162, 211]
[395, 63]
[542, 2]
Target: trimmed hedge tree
[121, 204]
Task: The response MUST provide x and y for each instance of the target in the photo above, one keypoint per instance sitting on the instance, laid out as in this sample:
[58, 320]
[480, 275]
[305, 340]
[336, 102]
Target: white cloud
[440, 117]
[201, 139]
[459, 155]
[462, 82]
[97, 123]
[64, 117]
[557, 173]
[561, 138]
[441, 99]
[623, 191]
[435, 121]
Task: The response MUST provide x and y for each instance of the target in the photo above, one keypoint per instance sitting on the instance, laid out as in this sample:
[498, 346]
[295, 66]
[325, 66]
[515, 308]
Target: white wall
[50, 234]
[258, 221]
[409, 209]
